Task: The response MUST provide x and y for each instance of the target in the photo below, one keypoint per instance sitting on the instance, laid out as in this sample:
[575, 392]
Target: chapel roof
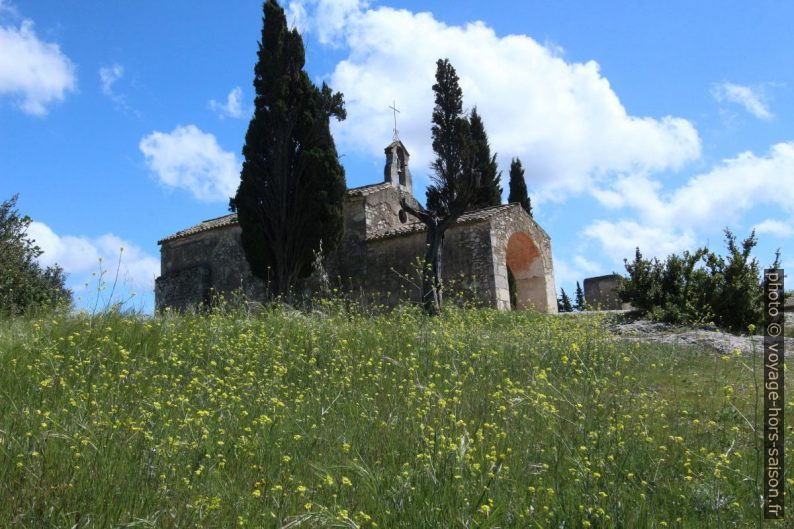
[368, 189]
[467, 218]
[231, 219]
[206, 225]
[405, 229]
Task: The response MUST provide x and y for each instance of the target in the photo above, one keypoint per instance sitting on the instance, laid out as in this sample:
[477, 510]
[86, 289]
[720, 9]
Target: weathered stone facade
[379, 253]
[600, 292]
[203, 258]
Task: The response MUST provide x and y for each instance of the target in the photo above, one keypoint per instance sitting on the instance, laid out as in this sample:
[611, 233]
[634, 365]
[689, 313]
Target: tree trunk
[432, 297]
[431, 271]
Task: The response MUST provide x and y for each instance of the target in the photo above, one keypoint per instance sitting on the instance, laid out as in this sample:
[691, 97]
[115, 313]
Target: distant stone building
[379, 252]
[600, 293]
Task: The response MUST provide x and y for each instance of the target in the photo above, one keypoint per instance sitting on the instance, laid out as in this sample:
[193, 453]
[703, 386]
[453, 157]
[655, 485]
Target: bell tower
[396, 171]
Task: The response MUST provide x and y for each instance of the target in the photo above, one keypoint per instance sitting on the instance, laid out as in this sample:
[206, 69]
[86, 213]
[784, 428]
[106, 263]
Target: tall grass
[476, 418]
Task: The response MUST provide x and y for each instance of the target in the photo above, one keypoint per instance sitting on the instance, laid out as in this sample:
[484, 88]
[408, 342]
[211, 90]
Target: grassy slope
[473, 419]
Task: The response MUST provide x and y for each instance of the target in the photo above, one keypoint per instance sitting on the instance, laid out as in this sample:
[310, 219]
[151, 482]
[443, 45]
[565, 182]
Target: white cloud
[296, 16]
[562, 119]
[586, 265]
[233, 106]
[619, 239]
[80, 257]
[774, 227]
[108, 77]
[190, 159]
[568, 272]
[752, 99]
[34, 72]
[330, 20]
[707, 202]
[718, 197]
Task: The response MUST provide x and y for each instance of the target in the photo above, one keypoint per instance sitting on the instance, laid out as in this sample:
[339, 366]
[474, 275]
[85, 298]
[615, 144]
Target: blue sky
[651, 124]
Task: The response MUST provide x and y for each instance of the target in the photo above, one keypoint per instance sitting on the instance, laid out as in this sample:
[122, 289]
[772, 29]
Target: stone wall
[368, 212]
[394, 273]
[194, 266]
[536, 284]
[183, 288]
[600, 292]
[378, 259]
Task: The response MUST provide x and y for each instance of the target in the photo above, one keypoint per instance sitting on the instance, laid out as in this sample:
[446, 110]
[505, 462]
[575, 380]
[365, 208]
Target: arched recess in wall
[525, 264]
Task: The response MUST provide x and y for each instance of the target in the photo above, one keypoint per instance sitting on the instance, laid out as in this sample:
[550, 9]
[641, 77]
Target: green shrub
[24, 284]
[699, 287]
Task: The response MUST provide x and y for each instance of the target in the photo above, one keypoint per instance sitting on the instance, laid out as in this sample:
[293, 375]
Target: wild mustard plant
[351, 419]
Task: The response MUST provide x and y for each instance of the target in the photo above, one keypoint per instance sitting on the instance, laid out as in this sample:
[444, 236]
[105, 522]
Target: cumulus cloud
[191, 159]
[330, 17]
[707, 202]
[80, 257]
[774, 227]
[561, 118]
[34, 73]
[752, 99]
[619, 239]
[232, 107]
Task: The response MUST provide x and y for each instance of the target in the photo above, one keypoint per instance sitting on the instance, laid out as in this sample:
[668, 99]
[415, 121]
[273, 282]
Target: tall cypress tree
[564, 302]
[580, 303]
[291, 185]
[489, 192]
[518, 186]
[453, 179]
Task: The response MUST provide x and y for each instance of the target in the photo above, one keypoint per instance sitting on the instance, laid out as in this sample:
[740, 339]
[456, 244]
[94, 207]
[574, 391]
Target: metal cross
[394, 108]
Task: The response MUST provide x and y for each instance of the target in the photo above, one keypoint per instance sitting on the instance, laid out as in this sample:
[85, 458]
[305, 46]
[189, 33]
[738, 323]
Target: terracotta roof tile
[211, 224]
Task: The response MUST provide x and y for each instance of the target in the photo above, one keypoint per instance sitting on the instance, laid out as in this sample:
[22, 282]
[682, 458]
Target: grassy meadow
[336, 418]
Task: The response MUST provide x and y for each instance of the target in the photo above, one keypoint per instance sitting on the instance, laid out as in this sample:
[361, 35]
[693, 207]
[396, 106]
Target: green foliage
[24, 284]
[699, 287]
[518, 186]
[564, 302]
[292, 185]
[454, 179]
[338, 418]
[488, 192]
[580, 303]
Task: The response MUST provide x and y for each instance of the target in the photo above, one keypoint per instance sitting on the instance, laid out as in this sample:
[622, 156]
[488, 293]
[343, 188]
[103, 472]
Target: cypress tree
[518, 186]
[489, 192]
[580, 303]
[564, 302]
[291, 185]
[453, 180]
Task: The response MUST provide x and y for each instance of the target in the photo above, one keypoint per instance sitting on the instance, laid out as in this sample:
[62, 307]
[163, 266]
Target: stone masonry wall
[393, 273]
[599, 292]
[194, 266]
[505, 225]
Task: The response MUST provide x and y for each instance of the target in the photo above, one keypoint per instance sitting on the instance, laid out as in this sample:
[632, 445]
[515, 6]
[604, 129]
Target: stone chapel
[379, 252]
